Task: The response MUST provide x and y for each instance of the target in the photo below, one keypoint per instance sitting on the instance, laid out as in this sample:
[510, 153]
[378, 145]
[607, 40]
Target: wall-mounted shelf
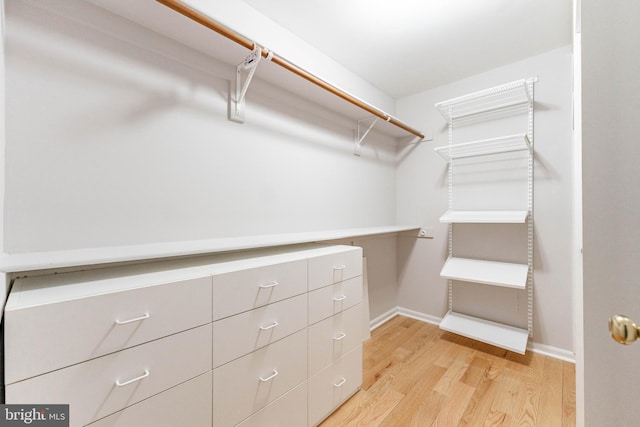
[495, 98]
[21, 262]
[503, 144]
[506, 274]
[504, 336]
[512, 101]
[486, 217]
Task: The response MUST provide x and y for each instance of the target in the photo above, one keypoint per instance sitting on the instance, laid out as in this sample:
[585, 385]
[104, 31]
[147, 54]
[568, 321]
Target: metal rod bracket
[361, 133]
[236, 102]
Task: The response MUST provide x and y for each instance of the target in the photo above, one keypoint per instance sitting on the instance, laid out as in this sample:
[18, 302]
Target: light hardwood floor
[417, 375]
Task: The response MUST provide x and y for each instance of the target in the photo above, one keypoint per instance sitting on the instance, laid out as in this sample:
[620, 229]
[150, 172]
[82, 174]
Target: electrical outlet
[425, 233]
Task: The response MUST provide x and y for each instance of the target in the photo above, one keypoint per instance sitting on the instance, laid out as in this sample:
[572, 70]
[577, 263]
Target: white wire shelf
[497, 334]
[504, 274]
[495, 98]
[502, 144]
[486, 217]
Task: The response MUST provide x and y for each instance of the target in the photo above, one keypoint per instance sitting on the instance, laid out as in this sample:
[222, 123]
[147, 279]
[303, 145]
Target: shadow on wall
[203, 86]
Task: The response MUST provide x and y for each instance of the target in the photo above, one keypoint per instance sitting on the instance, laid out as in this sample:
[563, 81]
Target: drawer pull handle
[340, 298]
[270, 377]
[271, 326]
[340, 336]
[133, 380]
[269, 285]
[341, 383]
[340, 267]
[136, 319]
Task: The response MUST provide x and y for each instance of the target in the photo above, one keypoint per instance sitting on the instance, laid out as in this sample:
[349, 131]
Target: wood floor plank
[495, 419]
[389, 340]
[510, 384]
[446, 357]
[453, 410]
[421, 402]
[479, 406]
[476, 371]
[365, 409]
[416, 368]
[448, 383]
[417, 375]
[550, 406]
[533, 374]
[425, 336]
[399, 361]
[426, 413]
[568, 394]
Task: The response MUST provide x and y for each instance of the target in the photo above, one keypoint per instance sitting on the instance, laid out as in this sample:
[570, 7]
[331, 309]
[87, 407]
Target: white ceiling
[407, 46]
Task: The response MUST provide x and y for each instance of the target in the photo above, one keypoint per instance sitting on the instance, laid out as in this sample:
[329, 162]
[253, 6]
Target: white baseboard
[555, 352]
[383, 318]
[427, 318]
[547, 350]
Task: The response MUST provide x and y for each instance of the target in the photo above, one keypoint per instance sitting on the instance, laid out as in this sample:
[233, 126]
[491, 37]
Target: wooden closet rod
[201, 19]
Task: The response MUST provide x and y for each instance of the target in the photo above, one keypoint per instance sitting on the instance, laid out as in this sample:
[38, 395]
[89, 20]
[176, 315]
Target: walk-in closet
[337, 213]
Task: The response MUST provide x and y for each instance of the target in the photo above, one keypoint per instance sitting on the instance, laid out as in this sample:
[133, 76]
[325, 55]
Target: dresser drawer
[81, 328]
[187, 404]
[238, 291]
[329, 300]
[248, 384]
[334, 337]
[344, 264]
[288, 411]
[105, 385]
[332, 386]
[243, 333]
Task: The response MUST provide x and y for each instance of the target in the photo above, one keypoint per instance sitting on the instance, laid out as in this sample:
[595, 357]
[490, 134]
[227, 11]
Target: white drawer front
[243, 333]
[91, 388]
[329, 388]
[187, 404]
[330, 300]
[244, 290]
[76, 330]
[248, 384]
[334, 337]
[288, 411]
[327, 269]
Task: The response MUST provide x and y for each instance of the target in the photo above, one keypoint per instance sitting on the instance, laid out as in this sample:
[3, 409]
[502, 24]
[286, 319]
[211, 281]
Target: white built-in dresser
[261, 338]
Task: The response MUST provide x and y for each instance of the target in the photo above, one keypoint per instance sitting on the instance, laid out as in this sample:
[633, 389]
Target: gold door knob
[622, 329]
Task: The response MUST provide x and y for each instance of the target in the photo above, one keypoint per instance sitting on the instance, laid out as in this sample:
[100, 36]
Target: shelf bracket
[250, 64]
[361, 134]
[414, 140]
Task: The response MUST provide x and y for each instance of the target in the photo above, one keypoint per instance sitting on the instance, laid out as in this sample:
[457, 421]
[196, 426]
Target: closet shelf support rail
[207, 22]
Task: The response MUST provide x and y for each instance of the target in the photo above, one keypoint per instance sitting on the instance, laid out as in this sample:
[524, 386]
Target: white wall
[422, 197]
[117, 136]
